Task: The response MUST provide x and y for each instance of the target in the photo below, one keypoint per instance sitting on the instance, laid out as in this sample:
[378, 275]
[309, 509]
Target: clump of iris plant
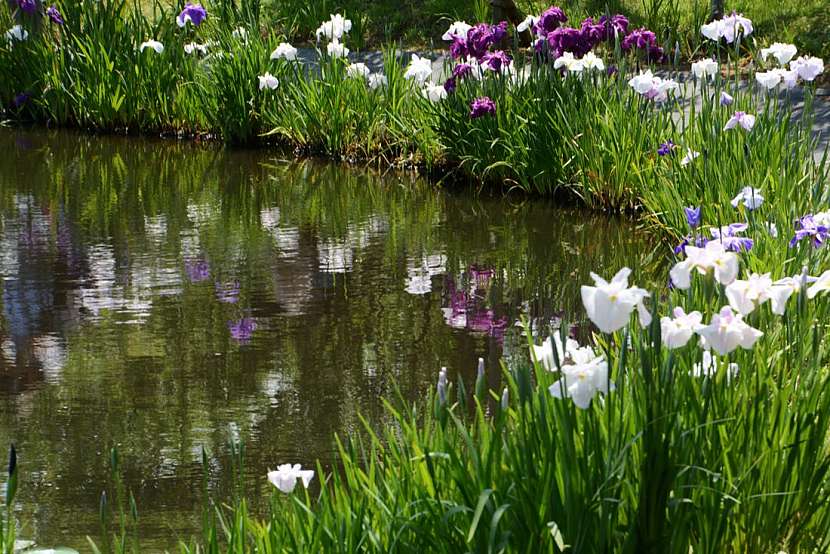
[482, 106]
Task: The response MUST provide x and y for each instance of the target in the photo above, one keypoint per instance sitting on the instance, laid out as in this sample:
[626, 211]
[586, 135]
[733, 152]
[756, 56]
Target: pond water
[163, 297]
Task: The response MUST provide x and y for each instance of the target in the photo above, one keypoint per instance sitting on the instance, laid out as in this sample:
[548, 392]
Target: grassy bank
[704, 429]
[98, 70]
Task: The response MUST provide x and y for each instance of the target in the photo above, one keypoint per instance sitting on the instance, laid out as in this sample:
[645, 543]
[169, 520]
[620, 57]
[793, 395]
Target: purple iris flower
[458, 47]
[482, 106]
[568, 39]
[21, 99]
[243, 329]
[461, 70]
[482, 36]
[27, 6]
[592, 31]
[53, 14]
[197, 270]
[728, 236]
[692, 216]
[449, 85]
[614, 25]
[807, 227]
[550, 19]
[478, 40]
[725, 98]
[496, 60]
[193, 13]
[641, 39]
[612, 70]
[666, 148]
[499, 32]
[228, 292]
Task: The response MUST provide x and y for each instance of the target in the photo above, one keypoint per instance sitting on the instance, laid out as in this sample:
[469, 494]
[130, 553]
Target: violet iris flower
[807, 227]
[197, 270]
[645, 40]
[725, 99]
[482, 36]
[692, 216]
[641, 39]
[496, 60]
[482, 106]
[567, 39]
[53, 14]
[593, 32]
[27, 6]
[243, 329]
[550, 20]
[192, 13]
[449, 85]
[458, 47]
[666, 148]
[728, 236]
[614, 25]
[461, 70]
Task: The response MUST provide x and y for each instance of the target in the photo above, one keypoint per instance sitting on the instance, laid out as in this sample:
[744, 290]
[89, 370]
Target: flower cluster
[334, 30]
[474, 40]
[474, 47]
[728, 28]
[805, 68]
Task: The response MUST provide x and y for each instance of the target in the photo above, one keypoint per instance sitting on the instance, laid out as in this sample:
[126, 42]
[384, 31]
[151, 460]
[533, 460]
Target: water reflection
[162, 297]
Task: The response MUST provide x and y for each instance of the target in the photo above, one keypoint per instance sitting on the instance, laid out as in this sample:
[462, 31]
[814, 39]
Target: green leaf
[482, 501]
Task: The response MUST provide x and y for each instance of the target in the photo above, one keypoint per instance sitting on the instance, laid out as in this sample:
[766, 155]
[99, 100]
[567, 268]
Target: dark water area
[162, 298]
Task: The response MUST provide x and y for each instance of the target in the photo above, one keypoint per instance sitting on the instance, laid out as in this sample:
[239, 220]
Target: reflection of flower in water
[243, 329]
[419, 273]
[197, 270]
[481, 276]
[466, 309]
[418, 282]
[335, 257]
[227, 292]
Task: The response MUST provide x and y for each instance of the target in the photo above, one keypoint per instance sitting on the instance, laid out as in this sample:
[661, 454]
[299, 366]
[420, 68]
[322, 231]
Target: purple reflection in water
[463, 310]
[481, 276]
[227, 292]
[197, 270]
[243, 329]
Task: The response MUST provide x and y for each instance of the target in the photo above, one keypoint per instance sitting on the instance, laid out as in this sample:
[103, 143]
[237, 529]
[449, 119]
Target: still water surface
[164, 298]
